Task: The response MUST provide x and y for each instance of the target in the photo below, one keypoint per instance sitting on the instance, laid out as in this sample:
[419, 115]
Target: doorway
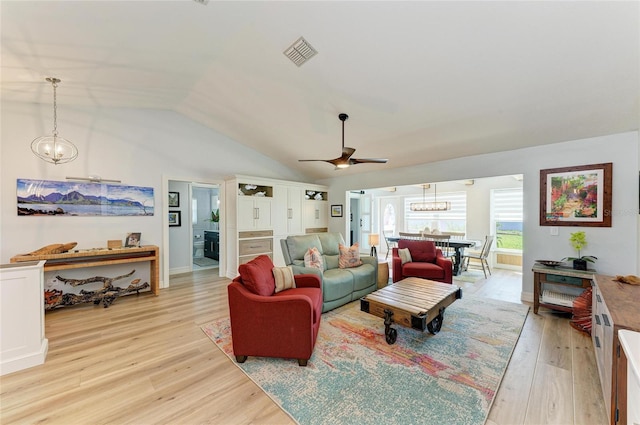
[205, 222]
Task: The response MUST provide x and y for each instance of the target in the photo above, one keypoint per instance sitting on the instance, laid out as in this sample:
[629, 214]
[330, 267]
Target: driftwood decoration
[56, 248]
[107, 295]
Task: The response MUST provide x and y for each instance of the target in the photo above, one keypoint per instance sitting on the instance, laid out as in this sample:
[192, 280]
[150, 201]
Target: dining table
[458, 245]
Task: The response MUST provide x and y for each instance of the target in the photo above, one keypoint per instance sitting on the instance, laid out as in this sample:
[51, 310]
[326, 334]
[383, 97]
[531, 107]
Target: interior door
[366, 222]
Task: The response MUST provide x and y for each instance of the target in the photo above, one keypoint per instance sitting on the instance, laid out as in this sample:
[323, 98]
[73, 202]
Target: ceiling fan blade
[354, 161]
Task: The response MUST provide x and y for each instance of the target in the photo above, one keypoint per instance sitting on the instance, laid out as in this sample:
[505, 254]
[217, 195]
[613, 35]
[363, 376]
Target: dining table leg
[457, 263]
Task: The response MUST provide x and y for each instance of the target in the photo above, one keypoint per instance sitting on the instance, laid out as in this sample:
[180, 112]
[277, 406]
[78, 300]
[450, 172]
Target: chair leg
[302, 362]
[241, 359]
[488, 268]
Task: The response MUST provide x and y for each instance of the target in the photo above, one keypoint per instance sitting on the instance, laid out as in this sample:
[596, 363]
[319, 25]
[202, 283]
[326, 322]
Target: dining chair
[441, 241]
[412, 236]
[480, 256]
[390, 245]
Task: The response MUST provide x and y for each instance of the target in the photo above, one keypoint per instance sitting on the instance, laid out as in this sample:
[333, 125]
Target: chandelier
[54, 149]
[430, 206]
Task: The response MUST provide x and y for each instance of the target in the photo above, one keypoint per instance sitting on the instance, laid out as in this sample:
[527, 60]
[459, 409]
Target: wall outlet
[553, 230]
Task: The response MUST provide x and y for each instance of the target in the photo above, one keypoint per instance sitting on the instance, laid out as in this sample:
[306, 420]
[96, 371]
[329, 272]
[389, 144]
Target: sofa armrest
[447, 265]
[308, 281]
[368, 259]
[298, 270]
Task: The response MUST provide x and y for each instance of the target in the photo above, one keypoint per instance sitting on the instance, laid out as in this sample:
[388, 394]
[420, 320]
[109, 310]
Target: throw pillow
[284, 278]
[313, 258]
[257, 276]
[405, 255]
[349, 256]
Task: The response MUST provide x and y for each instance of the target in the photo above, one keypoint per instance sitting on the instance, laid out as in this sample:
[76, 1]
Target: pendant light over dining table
[432, 205]
[53, 148]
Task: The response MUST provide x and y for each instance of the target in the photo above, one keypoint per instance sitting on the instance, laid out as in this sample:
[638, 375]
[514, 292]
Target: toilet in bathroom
[198, 248]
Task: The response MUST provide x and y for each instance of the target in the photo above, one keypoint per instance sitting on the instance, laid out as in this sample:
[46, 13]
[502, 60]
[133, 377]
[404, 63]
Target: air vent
[300, 51]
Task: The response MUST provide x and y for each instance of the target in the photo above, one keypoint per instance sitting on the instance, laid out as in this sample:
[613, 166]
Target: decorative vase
[579, 264]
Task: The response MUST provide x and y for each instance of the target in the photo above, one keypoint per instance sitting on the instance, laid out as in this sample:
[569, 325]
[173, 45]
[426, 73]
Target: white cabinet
[287, 210]
[254, 213]
[23, 343]
[316, 210]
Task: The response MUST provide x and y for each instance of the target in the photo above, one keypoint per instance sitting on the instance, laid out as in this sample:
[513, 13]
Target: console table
[77, 259]
[558, 276]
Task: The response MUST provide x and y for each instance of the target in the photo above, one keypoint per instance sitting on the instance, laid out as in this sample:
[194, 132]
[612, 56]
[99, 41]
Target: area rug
[355, 377]
[470, 276]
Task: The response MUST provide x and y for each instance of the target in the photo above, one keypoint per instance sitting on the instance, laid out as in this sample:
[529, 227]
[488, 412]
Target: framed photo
[336, 210]
[174, 218]
[174, 199]
[132, 240]
[576, 196]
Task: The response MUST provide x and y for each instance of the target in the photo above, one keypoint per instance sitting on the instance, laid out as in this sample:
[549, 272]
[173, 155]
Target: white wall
[179, 236]
[135, 146]
[616, 247]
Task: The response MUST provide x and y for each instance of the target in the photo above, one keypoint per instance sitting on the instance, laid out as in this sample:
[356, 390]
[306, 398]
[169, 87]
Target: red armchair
[427, 262]
[269, 324]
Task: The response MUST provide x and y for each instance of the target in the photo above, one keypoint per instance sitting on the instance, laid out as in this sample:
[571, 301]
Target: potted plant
[578, 241]
[215, 218]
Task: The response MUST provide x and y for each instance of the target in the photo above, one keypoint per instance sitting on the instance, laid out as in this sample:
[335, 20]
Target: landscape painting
[54, 198]
[576, 196]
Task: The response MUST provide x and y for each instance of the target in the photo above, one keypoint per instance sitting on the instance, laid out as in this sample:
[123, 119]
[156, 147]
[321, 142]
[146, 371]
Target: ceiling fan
[345, 159]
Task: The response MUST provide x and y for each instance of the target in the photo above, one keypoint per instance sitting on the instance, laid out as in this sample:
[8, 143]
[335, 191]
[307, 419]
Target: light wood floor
[144, 360]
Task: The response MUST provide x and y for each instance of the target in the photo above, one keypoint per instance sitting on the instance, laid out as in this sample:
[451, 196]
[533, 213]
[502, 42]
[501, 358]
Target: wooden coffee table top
[414, 301]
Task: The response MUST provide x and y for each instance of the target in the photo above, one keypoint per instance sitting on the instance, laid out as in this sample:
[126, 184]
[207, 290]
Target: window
[389, 220]
[454, 220]
[506, 217]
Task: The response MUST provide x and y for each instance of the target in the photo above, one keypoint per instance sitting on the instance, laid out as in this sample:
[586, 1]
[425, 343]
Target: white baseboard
[179, 270]
[26, 361]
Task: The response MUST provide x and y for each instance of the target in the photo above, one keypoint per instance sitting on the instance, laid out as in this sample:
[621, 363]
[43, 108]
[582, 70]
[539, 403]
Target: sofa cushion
[349, 256]
[363, 276]
[423, 270]
[331, 261]
[330, 243]
[405, 255]
[313, 258]
[300, 244]
[421, 251]
[284, 278]
[336, 284]
[257, 275]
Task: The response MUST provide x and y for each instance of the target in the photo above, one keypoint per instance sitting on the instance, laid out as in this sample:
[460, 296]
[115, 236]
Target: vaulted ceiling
[421, 81]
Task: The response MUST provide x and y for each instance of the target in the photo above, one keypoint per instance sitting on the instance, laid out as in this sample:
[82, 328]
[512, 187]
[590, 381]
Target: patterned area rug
[355, 377]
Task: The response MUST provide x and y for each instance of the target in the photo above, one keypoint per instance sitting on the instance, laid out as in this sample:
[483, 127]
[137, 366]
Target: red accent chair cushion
[283, 325]
[257, 275]
[428, 262]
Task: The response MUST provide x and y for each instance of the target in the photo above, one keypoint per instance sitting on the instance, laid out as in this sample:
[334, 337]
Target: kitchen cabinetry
[557, 287]
[316, 210]
[212, 245]
[615, 307]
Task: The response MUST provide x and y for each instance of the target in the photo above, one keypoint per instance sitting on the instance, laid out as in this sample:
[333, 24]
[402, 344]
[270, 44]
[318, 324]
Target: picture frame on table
[174, 199]
[336, 210]
[175, 219]
[576, 196]
[132, 240]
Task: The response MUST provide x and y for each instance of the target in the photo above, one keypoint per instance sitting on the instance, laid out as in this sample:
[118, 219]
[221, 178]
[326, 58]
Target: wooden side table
[383, 274]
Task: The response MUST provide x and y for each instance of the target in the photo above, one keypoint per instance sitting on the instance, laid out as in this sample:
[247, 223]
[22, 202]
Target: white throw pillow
[284, 278]
[405, 255]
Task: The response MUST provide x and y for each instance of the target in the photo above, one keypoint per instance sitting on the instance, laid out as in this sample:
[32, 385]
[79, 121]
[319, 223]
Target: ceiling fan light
[342, 165]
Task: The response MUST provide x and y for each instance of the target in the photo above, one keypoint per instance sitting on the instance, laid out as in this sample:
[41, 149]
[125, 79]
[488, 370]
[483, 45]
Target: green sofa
[339, 286]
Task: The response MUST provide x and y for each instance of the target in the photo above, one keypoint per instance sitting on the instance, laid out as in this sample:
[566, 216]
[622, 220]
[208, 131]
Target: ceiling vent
[300, 51]
[203, 2]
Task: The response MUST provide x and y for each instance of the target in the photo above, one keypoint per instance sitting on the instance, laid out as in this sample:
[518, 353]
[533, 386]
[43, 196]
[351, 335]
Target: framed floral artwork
[576, 196]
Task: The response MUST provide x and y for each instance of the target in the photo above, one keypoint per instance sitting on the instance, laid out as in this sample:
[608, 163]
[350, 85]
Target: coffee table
[412, 302]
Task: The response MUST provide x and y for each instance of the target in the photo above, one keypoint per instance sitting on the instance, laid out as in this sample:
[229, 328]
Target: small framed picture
[174, 218]
[174, 199]
[336, 210]
[133, 240]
